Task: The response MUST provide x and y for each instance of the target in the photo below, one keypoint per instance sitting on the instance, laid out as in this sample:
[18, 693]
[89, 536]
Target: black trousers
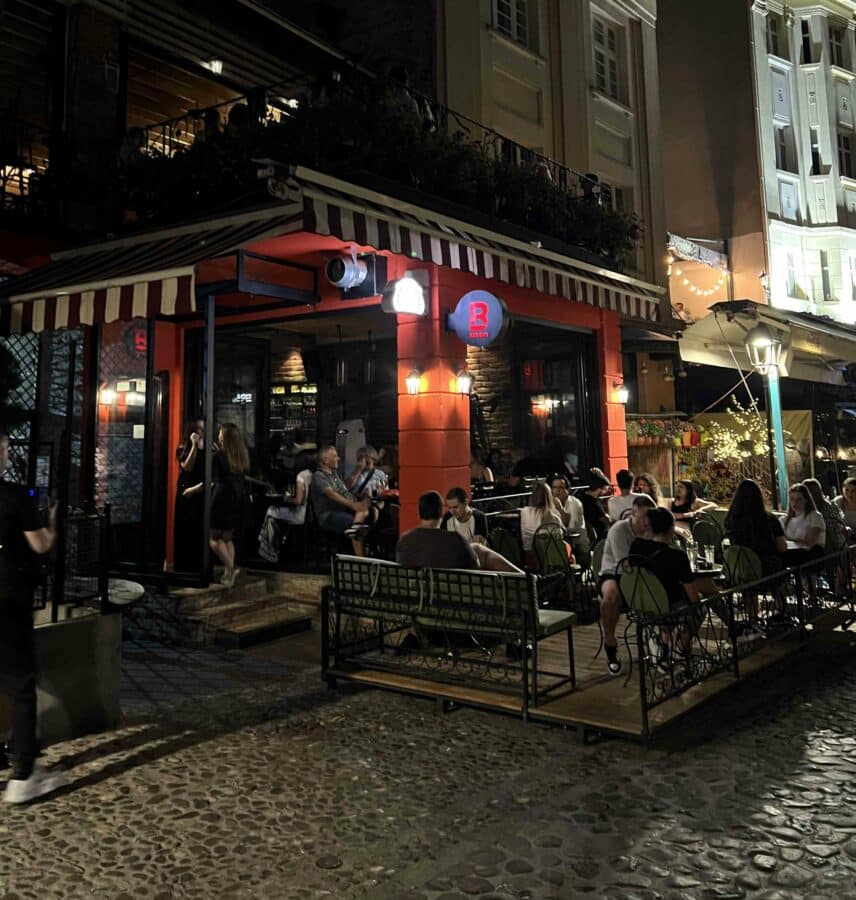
[18, 676]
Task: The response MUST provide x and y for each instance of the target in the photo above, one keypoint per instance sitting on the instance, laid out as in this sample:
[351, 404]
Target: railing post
[104, 560]
[643, 687]
[800, 601]
[732, 633]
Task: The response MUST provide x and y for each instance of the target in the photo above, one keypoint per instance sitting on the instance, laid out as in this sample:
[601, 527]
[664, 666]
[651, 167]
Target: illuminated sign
[479, 318]
[242, 398]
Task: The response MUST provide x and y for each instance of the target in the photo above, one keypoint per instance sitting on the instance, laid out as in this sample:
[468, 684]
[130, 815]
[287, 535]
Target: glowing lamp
[622, 393]
[407, 295]
[465, 382]
[413, 382]
[763, 348]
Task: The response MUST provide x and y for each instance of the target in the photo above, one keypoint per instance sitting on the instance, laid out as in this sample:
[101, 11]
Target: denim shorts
[337, 522]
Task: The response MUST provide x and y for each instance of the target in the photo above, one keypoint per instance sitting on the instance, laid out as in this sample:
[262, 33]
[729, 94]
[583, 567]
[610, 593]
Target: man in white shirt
[568, 507]
[469, 523]
[618, 505]
[621, 535]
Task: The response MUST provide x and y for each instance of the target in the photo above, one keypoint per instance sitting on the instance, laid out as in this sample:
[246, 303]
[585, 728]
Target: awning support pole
[209, 435]
[774, 413]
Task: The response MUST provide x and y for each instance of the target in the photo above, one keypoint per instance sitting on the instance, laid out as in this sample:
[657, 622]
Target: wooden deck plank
[600, 701]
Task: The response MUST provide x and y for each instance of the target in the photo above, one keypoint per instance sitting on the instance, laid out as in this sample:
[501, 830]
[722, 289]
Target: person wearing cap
[597, 521]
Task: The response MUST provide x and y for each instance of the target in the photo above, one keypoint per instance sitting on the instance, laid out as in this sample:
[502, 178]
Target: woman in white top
[804, 527]
[847, 503]
[540, 511]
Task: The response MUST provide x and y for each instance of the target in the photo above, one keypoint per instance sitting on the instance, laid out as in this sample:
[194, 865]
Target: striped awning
[153, 274]
[333, 207]
[145, 276]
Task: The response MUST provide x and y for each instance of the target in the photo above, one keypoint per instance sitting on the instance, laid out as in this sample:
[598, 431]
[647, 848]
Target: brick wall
[491, 370]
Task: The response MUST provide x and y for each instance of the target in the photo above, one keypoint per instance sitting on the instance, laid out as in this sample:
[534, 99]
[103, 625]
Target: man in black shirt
[597, 521]
[21, 532]
[671, 566]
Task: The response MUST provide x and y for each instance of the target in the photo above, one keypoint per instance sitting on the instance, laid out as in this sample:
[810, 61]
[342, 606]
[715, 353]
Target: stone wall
[491, 371]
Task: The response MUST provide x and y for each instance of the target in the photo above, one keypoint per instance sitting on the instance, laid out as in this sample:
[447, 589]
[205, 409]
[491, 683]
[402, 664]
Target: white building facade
[804, 59]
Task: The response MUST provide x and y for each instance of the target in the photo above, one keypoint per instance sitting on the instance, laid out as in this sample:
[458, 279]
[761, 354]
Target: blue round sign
[479, 318]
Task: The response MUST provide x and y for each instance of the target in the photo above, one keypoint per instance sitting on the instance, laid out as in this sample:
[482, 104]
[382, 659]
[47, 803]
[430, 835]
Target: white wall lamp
[464, 381]
[622, 392]
[413, 382]
[407, 295]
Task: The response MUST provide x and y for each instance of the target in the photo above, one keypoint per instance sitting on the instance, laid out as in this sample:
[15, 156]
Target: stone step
[230, 609]
[300, 586]
[190, 600]
[257, 626]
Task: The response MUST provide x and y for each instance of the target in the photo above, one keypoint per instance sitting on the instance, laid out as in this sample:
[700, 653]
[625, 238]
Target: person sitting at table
[367, 480]
[539, 511]
[569, 508]
[597, 521]
[470, 523]
[479, 472]
[673, 570]
[646, 483]
[846, 503]
[429, 546]
[621, 503]
[292, 512]
[749, 524]
[804, 527]
[617, 547]
[686, 503]
[836, 531]
[337, 509]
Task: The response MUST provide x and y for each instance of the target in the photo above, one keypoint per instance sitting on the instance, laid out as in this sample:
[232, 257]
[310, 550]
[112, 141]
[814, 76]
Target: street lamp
[764, 350]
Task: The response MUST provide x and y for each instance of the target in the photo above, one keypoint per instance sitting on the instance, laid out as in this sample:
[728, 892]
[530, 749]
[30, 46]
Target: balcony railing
[348, 124]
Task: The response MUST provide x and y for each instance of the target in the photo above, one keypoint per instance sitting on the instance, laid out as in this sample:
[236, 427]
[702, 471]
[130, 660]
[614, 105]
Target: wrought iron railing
[347, 123]
[720, 633]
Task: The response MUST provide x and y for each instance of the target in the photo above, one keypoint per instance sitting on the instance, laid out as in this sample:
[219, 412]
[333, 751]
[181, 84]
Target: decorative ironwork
[449, 625]
[24, 349]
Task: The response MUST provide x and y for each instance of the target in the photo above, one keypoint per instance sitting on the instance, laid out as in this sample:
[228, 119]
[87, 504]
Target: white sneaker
[40, 782]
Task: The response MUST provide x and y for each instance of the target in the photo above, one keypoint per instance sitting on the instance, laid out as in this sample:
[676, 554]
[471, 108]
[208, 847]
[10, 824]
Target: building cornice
[637, 10]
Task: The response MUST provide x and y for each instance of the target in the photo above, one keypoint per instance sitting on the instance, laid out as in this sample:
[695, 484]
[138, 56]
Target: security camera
[346, 272]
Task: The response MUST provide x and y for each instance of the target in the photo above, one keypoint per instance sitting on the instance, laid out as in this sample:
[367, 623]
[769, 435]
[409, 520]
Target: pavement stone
[239, 775]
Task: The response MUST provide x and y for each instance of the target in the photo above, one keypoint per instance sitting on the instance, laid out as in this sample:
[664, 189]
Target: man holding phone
[21, 530]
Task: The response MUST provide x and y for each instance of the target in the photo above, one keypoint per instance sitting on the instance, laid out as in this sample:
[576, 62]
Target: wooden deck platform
[600, 703]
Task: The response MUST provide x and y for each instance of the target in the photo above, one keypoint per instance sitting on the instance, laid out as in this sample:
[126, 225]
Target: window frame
[522, 18]
[825, 280]
[612, 58]
[790, 276]
[837, 45]
[844, 153]
[805, 42]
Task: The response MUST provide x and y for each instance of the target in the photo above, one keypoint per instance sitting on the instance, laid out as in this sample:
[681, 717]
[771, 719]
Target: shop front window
[121, 432]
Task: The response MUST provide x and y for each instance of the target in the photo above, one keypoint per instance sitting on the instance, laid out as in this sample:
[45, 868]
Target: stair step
[300, 586]
[191, 600]
[224, 613]
[266, 625]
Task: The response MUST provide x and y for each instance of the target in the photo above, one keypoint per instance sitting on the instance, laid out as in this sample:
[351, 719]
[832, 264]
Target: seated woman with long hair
[836, 531]
[646, 483]
[804, 527]
[846, 502]
[540, 511]
[748, 523]
[687, 503]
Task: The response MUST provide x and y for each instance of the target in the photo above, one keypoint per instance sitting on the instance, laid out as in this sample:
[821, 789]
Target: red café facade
[151, 311]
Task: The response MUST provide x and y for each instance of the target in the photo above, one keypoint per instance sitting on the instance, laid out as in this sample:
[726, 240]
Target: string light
[693, 289]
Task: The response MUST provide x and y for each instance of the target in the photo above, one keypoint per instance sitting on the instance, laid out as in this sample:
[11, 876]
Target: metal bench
[464, 618]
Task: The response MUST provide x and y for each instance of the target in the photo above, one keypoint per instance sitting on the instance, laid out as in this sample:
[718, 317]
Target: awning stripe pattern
[398, 231]
[145, 299]
[144, 277]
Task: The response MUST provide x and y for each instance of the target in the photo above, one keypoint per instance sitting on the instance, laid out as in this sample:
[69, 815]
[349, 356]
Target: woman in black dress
[189, 508]
[228, 497]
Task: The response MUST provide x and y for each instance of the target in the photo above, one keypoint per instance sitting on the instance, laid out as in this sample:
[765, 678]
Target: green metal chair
[742, 565]
[507, 544]
[550, 552]
[597, 558]
[645, 598]
[707, 533]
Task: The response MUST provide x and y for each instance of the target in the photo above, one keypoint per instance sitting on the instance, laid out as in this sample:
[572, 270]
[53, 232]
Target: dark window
[806, 41]
[815, 152]
[824, 275]
[837, 55]
[845, 155]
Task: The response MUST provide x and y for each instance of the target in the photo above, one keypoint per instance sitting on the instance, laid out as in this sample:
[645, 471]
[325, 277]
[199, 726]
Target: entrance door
[240, 391]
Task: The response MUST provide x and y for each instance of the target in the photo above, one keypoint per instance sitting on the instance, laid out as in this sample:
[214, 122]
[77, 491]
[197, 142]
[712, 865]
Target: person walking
[21, 532]
[189, 509]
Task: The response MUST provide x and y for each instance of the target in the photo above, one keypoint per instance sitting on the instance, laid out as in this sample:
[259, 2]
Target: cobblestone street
[240, 775]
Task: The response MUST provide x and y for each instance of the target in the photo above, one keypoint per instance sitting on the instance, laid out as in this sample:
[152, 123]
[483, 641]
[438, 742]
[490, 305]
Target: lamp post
[764, 350]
